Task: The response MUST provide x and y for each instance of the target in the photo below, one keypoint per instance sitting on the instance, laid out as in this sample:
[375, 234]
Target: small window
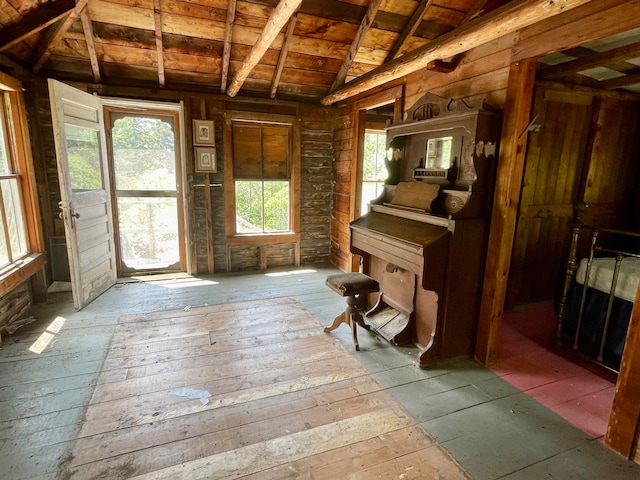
[262, 175]
[374, 171]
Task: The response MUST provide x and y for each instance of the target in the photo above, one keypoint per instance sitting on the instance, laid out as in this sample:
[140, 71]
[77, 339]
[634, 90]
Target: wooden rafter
[276, 22]
[509, 18]
[409, 29]
[55, 33]
[226, 55]
[474, 12]
[596, 59]
[621, 82]
[283, 54]
[43, 16]
[91, 46]
[365, 25]
[19, 70]
[157, 17]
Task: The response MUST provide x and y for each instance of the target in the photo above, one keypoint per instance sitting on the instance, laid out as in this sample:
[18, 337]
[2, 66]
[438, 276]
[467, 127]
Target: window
[13, 240]
[262, 176]
[20, 227]
[374, 171]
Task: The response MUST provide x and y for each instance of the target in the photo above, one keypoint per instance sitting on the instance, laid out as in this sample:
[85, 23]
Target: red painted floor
[574, 392]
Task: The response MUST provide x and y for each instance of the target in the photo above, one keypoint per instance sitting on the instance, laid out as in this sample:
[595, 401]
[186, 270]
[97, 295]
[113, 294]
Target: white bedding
[601, 275]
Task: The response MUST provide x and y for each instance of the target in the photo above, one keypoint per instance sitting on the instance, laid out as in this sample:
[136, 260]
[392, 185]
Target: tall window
[374, 171]
[262, 175]
[13, 230]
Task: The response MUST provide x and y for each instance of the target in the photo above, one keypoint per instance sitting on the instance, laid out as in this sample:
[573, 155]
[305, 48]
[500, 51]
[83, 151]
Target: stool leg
[336, 322]
[353, 314]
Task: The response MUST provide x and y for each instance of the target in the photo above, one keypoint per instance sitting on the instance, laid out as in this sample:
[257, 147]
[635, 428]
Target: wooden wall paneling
[613, 171]
[554, 159]
[342, 141]
[505, 207]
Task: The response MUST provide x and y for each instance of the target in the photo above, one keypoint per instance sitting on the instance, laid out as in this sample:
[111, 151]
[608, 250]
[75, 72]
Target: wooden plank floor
[286, 401]
[49, 425]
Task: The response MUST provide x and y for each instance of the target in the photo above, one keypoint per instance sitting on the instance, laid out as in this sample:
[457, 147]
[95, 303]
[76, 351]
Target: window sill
[262, 238]
[21, 271]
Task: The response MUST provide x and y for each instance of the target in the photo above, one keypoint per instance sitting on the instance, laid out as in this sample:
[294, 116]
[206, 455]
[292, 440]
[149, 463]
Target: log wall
[204, 191]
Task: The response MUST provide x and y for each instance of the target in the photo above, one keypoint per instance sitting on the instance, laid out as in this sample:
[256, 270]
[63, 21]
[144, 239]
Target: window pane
[143, 153]
[276, 206]
[262, 207]
[148, 232]
[374, 171]
[14, 217]
[248, 207]
[83, 151]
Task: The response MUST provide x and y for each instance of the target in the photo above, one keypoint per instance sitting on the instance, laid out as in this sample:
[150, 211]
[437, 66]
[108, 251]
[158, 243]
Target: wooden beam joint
[441, 66]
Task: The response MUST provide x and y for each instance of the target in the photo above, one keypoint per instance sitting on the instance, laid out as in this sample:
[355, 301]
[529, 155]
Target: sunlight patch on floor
[48, 335]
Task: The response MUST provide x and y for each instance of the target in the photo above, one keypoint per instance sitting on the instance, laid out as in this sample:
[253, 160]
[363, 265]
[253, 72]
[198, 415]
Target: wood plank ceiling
[288, 49]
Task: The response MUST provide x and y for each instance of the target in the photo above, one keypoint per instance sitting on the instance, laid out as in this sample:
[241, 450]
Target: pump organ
[429, 257]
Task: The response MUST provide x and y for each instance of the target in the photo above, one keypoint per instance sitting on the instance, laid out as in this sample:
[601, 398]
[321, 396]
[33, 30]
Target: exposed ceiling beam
[593, 60]
[509, 18]
[91, 45]
[409, 29]
[55, 33]
[226, 55]
[620, 82]
[276, 22]
[365, 25]
[157, 17]
[18, 70]
[474, 12]
[283, 54]
[40, 18]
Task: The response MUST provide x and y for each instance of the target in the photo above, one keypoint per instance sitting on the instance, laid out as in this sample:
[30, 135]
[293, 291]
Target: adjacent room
[319, 239]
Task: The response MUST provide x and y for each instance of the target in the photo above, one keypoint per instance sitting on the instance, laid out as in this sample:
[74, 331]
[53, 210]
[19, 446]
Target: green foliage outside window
[262, 206]
[374, 171]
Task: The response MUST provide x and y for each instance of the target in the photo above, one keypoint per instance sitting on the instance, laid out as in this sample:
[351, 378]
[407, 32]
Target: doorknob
[76, 215]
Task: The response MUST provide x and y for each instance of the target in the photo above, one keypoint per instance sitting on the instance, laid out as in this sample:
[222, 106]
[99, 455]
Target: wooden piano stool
[351, 285]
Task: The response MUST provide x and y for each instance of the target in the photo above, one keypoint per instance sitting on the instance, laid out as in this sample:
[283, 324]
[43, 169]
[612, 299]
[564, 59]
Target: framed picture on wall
[206, 160]
[203, 132]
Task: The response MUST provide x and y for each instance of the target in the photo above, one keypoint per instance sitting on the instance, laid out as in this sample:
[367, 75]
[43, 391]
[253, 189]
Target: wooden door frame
[176, 111]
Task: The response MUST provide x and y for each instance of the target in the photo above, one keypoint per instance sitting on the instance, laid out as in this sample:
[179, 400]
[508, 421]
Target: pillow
[415, 195]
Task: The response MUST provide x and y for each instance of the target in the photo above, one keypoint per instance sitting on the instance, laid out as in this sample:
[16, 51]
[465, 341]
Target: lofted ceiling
[287, 49]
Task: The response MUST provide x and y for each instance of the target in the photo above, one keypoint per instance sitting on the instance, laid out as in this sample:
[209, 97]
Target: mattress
[601, 276]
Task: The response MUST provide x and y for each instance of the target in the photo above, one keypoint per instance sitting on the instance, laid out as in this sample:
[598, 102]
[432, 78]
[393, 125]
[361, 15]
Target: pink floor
[574, 392]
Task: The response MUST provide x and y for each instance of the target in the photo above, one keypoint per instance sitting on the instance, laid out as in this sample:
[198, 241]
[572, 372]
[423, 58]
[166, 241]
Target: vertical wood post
[505, 207]
[209, 207]
[623, 429]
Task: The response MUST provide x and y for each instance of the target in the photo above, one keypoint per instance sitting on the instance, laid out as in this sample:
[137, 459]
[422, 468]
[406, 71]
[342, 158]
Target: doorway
[145, 167]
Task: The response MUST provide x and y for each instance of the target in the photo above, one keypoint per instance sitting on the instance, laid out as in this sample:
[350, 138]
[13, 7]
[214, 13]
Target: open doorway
[145, 167]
